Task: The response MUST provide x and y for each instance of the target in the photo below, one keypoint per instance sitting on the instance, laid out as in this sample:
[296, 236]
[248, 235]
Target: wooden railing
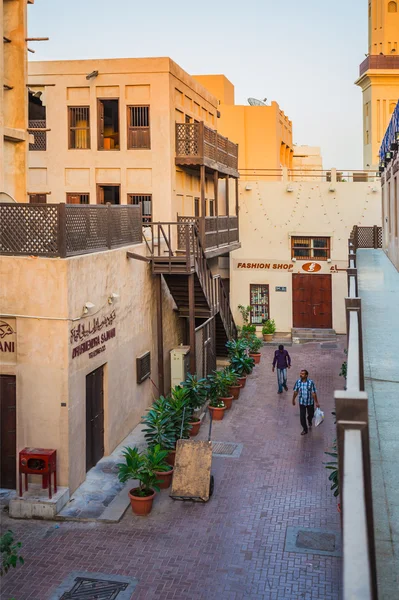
[366, 237]
[67, 229]
[215, 232]
[359, 566]
[379, 62]
[205, 346]
[196, 141]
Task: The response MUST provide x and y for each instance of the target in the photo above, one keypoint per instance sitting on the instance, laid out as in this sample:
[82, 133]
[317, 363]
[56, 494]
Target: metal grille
[205, 346]
[86, 588]
[145, 202]
[138, 127]
[143, 367]
[40, 143]
[29, 229]
[79, 127]
[310, 248]
[226, 449]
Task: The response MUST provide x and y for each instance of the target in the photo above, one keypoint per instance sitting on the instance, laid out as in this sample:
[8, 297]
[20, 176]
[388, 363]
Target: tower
[379, 76]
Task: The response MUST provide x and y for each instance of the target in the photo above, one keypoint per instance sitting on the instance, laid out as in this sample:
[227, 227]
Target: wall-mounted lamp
[112, 298]
[88, 308]
[248, 187]
[293, 259]
[290, 188]
[331, 188]
[328, 260]
[92, 75]
[374, 189]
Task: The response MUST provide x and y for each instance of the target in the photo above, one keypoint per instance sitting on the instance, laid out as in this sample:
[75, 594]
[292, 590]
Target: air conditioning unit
[179, 364]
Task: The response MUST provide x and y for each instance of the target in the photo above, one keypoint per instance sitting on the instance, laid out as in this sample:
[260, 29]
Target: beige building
[307, 162]
[390, 189]
[291, 266]
[13, 100]
[379, 76]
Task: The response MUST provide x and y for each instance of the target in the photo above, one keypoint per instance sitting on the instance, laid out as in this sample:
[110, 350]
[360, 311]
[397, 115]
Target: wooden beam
[137, 257]
[37, 39]
[191, 323]
[203, 203]
[237, 197]
[227, 195]
[161, 373]
[216, 192]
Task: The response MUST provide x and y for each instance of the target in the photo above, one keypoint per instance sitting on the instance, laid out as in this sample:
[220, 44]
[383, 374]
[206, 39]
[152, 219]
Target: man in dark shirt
[283, 361]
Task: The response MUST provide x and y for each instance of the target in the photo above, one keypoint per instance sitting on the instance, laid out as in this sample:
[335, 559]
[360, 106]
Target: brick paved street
[232, 547]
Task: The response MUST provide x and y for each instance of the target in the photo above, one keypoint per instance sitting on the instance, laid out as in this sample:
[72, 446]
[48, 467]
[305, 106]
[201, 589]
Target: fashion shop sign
[263, 265]
[92, 336]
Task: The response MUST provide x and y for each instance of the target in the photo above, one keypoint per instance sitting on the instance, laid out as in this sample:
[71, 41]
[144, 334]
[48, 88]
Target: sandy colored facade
[310, 221]
[305, 159]
[150, 97]
[263, 133]
[13, 99]
[379, 76]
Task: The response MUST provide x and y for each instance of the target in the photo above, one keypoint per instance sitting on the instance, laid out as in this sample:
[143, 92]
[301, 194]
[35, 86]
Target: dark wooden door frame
[102, 185]
[94, 417]
[8, 409]
[100, 124]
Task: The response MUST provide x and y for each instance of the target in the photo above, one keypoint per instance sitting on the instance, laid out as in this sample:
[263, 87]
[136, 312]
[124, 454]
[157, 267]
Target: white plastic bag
[318, 417]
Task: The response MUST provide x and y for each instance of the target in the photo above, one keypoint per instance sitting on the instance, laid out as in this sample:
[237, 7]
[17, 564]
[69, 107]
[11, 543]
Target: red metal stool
[38, 461]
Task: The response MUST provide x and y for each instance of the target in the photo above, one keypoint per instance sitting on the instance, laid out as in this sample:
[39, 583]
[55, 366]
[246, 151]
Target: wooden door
[8, 406]
[94, 417]
[312, 301]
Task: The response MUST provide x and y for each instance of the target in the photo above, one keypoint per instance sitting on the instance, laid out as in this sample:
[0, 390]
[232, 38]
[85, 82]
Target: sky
[303, 54]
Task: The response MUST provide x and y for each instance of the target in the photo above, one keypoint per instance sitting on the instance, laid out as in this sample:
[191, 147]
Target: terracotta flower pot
[268, 337]
[256, 357]
[141, 505]
[165, 477]
[339, 507]
[234, 390]
[195, 427]
[242, 381]
[228, 401]
[170, 459]
[217, 413]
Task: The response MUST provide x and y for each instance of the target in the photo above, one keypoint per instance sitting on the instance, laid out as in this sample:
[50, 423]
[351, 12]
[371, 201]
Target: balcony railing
[67, 229]
[379, 61]
[197, 144]
[359, 565]
[216, 232]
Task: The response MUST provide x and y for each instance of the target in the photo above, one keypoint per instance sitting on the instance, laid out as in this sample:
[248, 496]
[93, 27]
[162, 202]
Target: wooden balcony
[380, 61]
[198, 145]
[219, 235]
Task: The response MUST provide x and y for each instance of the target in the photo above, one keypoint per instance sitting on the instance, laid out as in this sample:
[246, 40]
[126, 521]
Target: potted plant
[268, 329]
[242, 365]
[219, 387]
[237, 347]
[160, 427]
[197, 393]
[138, 466]
[255, 344]
[163, 471]
[180, 415]
[217, 409]
[247, 329]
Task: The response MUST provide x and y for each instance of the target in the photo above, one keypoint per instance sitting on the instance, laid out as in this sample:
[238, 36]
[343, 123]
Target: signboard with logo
[92, 335]
[286, 266]
[8, 340]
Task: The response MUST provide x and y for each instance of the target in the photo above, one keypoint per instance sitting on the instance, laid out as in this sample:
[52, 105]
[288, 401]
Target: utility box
[179, 364]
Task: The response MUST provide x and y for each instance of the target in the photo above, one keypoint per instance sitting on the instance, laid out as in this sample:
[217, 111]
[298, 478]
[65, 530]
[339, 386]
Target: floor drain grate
[85, 586]
[328, 346]
[228, 449]
[313, 541]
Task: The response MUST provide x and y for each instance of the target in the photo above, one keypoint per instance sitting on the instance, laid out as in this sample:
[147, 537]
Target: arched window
[392, 7]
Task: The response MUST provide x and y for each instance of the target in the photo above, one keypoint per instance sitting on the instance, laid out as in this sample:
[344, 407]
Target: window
[78, 198]
[79, 127]
[37, 122]
[145, 200]
[392, 7]
[196, 207]
[108, 193]
[37, 198]
[138, 123]
[187, 119]
[310, 248]
[259, 301]
[108, 125]
[211, 208]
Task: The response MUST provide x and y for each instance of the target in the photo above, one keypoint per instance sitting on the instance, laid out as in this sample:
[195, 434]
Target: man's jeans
[281, 379]
[302, 412]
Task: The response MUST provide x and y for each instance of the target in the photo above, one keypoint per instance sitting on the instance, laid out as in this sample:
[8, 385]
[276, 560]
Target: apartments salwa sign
[91, 336]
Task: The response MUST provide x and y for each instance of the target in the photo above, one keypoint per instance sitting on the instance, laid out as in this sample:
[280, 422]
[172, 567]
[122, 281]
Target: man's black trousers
[310, 411]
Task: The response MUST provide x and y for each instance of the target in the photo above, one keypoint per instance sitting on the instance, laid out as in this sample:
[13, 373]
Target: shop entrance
[94, 417]
[312, 301]
[8, 406]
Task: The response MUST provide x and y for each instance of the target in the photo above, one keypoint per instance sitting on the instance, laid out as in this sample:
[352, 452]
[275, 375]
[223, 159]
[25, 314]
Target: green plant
[344, 367]
[242, 365]
[180, 412]
[215, 403]
[254, 344]
[245, 312]
[219, 383]
[269, 327]
[140, 466]
[9, 552]
[332, 465]
[159, 428]
[157, 459]
[197, 392]
[237, 347]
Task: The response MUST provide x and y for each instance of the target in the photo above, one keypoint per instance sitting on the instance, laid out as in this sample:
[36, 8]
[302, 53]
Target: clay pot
[242, 381]
[217, 413]
[268, 337]
[256, 357]
[339, 507]
[165, 477]
[234, 390]
[141, 505]
[228, 401]
[195, 427]
[170, 459]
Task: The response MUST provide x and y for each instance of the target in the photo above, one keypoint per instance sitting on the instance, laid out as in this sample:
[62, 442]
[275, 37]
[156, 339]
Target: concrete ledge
[35, 503]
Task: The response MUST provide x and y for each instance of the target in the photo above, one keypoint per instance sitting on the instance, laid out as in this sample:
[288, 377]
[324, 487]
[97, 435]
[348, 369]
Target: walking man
[283, 361]
[307, 392]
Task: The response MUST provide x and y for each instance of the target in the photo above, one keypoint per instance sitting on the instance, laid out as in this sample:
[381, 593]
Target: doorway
[94, 417]
[8, 415]
[108, 193]
[312, 301]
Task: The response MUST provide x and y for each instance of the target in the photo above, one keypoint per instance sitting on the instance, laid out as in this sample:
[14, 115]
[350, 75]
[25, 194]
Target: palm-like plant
[197, 392]
[180, 412]
[159, 426]
[138, 466]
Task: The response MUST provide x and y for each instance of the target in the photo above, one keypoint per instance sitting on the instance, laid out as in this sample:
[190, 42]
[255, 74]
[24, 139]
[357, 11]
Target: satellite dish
[255, 102]
[5, 198]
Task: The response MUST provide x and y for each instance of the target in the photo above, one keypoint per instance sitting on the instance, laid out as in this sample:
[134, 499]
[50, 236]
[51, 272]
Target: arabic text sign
[8, 340]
